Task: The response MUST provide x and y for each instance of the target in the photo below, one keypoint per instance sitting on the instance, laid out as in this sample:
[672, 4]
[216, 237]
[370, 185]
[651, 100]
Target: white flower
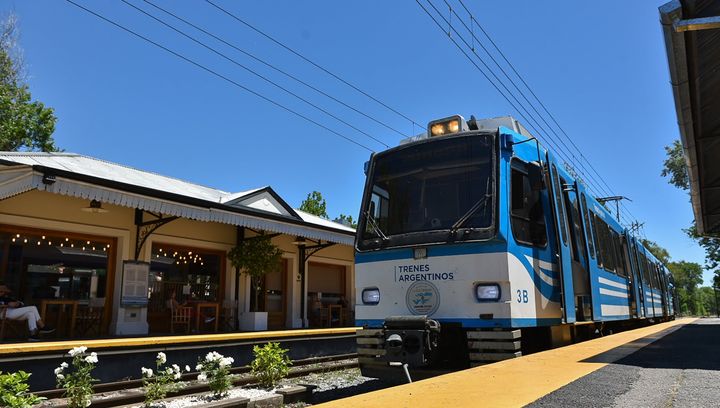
[187, 368]
[77, 350]
[202, 377]
[161, 358]
[198, 367]
[176, 368]
[92, 358]
[146, 372]
[177, 376]
[64, 365]
[226, 361]
[60, 377]
[58, 370]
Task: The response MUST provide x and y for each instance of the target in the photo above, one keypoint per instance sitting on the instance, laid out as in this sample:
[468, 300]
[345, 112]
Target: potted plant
[255, 257]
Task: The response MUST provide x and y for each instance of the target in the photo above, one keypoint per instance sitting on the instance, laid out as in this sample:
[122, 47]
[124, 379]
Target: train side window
[588, 226]
[559, 203]
[596, 229]
[619, 259]
[527, 218]
[606, 246]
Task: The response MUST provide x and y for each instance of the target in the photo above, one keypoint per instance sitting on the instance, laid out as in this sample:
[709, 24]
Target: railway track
[119, 393]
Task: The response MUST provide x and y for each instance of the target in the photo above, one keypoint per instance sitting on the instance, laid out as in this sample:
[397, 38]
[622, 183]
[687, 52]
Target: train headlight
[487, 292]
[447, 126]
[371, 296]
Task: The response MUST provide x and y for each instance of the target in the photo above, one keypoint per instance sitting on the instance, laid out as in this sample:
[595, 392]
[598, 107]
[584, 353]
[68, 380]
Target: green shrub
[215, 371]
[14, 391]
[159, 383]
[271, 364]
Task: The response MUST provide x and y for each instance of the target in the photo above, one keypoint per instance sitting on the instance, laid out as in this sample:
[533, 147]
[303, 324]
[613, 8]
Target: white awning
[19, 179]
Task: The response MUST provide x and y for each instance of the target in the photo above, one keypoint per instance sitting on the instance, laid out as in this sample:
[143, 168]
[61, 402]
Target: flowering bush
[164, 380]
[78, 381]
[271, 364]
[14, 391]
[215, 370]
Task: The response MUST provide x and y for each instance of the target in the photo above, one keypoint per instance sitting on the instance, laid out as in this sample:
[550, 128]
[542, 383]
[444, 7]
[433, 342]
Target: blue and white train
[474, 244]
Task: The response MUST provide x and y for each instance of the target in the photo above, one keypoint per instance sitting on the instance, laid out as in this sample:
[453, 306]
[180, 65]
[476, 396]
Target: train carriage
[474, 244]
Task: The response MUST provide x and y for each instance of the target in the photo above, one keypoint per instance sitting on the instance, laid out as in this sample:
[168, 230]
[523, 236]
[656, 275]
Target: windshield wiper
[462, 220]
[374, 225]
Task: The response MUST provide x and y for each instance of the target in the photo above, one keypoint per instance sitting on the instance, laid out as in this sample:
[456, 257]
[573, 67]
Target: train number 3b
[522, 296]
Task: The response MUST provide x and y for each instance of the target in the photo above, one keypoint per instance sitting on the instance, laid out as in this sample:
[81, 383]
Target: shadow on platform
[691, 346]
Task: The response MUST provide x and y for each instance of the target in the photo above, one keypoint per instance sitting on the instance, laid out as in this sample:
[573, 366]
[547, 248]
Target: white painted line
[608, 282]
[614, 293]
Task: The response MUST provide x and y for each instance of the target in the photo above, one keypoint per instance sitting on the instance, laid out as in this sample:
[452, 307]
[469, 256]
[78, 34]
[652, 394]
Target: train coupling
[411, 340]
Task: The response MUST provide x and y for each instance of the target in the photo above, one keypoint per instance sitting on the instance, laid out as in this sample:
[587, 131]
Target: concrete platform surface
[680, 370]
[522, 381]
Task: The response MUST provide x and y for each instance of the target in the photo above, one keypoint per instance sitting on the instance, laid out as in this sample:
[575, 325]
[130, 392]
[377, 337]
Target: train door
[633, 274]
[563, 240]
[582, 240]
[663, 288]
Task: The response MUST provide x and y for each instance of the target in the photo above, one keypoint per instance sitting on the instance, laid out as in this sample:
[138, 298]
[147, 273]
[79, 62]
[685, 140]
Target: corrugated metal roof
[100, 169]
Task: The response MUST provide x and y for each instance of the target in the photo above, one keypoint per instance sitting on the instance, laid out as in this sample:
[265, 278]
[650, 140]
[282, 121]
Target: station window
[527, 217]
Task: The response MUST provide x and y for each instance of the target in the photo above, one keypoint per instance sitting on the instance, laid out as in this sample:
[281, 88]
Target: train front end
[431, 260]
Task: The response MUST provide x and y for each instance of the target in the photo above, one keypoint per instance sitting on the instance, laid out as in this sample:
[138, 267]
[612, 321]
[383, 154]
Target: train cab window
[588, 226]
[527, 218]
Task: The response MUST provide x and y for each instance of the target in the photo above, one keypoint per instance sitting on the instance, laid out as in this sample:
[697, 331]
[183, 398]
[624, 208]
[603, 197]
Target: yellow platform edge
[516, 382]
[15, 349]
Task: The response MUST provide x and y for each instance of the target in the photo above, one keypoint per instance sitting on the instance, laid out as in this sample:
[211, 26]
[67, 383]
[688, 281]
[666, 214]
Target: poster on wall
[135, 284]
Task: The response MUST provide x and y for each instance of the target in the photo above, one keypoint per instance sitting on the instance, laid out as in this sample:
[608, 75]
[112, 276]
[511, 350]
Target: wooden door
[275, 298]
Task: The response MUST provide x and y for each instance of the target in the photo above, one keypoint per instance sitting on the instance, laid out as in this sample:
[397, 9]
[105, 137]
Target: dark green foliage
[659, 252]
[256, 257]
[315, 204]
[24, 124]
[675, 166]
[688, 275]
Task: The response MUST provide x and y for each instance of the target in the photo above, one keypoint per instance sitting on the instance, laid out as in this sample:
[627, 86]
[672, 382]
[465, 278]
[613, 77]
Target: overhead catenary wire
[217, 74]
[313, 63]
[277, 69]
[474, 21]
[250, 70]
[531, 124]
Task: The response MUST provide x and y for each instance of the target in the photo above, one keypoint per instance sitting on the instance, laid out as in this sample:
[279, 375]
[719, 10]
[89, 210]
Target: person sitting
[17, 311]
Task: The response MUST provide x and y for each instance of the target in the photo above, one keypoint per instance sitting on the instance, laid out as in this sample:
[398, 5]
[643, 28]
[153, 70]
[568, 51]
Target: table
[62, 302]
[206, 305]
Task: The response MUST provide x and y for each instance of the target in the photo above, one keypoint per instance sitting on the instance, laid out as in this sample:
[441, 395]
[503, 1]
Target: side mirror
[536, 176]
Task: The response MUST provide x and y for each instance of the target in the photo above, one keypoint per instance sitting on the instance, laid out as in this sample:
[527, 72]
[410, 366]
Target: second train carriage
[474, 244]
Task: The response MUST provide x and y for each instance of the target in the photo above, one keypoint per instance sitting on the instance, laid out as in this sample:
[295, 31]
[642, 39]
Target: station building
[102, 248]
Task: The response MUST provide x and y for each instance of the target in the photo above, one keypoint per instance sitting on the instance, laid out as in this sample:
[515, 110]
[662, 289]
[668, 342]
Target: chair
[324, 314]
[90, 317]
[229, 315]
[11, 323]
[180, 316]
[336, 315]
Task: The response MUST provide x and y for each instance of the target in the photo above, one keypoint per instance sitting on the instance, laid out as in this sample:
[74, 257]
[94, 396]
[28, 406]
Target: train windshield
[426, 192]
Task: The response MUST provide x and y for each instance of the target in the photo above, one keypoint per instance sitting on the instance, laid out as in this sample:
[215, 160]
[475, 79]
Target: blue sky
[600, 68]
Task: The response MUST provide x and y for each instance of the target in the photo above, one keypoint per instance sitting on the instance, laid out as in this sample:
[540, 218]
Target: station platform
[550, 378]
[122, 358]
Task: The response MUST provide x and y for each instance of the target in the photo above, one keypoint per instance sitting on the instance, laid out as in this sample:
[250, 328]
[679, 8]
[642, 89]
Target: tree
[707, 303]
[659, 252]
[24, 124]
[315, 204]
[256, 256]
[687, 275]
[675, 166]
[347, 220]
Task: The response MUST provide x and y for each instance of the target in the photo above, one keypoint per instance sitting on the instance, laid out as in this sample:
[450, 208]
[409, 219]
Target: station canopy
[89, 178]
[692, 39]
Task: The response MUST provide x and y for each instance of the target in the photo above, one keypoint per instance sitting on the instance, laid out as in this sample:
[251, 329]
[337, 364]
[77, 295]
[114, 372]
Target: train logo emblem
[422, 298]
